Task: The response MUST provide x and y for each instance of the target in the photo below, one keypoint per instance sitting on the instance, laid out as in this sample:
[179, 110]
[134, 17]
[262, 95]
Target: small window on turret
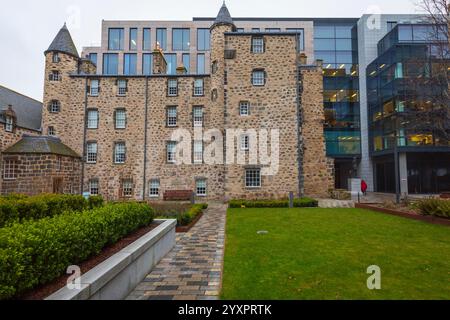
[55, 76]
[56, 58]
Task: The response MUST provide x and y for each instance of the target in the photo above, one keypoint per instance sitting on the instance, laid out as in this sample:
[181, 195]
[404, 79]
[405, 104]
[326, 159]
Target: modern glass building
[407, 96]
[336, 43]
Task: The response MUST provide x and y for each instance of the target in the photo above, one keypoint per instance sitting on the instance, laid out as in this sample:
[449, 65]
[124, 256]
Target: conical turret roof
[224, 17]
[63, 43]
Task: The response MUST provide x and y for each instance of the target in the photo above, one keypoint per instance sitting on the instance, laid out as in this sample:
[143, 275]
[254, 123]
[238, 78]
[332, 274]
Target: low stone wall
[116, 277]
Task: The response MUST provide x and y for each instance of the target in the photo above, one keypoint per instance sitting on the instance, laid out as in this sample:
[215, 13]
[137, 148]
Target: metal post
[397, 172]
[193, 198]
[291, 199]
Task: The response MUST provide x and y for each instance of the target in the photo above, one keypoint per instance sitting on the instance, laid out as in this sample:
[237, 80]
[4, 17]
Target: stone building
[38, 164]
[252, 128]
[19, 115]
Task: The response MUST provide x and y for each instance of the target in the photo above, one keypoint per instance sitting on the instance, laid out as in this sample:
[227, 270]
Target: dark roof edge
[280, 19]
[64, 52]
[21, 94]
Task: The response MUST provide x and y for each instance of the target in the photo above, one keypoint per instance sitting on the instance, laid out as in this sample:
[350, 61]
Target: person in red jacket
[363, 187]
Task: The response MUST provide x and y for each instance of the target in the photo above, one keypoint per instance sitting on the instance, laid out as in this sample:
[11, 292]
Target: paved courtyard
[193, 269]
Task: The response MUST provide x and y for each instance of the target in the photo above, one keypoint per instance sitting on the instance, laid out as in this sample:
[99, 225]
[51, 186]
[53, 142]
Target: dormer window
[56, 58]
[9, 124]
[55, 76]
[258, 45]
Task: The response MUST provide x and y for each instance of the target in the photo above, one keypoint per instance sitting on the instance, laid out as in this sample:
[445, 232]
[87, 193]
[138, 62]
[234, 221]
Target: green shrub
[36, 252]
[95, 202]
[298, 203]
[434, 207]
[14, 196]
[18, 209]
[188, 216]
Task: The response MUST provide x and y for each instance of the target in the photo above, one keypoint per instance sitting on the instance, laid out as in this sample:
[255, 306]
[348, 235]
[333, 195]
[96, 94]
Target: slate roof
[28, 111]
[223, 17]
[41, 145]
[63, 43]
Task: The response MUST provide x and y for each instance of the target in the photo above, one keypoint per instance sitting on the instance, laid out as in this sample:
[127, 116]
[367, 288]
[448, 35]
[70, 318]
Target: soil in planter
[42, 292]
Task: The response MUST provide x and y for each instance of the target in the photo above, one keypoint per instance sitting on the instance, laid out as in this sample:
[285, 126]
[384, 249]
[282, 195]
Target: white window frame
[94, 187]
[55, 57]
[171, 152]
[253, 178]
[91, 152]
[51, 131]
[55, 76]
[245, 142]
[172, 116]
[199, 89]
[172, 90]
[122, 87]
[257, 45]
[9, 124]
[120, 152]
[94, 90]
[198, 116]
[154, 188]
[9, 169]
[92, 122]
[244, 108]
[258, 78]
[198, 151]
[127, 188]
[201, 187]
[55, 106]
[120, 122]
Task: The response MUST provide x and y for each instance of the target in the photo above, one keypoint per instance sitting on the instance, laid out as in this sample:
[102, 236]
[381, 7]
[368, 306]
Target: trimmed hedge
[187, 217]
[18, 208]
[298, 203]
[36, 252]
[434, 207]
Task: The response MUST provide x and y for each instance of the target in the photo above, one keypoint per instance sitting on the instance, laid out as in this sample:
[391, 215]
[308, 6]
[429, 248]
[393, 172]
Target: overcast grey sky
[27, 27]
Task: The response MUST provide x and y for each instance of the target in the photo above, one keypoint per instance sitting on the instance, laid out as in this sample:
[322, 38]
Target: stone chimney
[303, 59]
[181, 69]
[159, 61]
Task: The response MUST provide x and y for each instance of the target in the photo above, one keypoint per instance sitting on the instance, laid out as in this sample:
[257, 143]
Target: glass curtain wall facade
[336, 44]
[405, 92]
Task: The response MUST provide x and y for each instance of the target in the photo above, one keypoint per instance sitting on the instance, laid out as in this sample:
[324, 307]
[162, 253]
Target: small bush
[17, 209]
[434, 207]
[36, 252]
[95, 202]
[298, 203]
[187, 217]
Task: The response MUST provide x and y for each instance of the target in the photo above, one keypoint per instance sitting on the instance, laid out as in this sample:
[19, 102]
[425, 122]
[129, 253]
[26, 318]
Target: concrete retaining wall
[116, 277]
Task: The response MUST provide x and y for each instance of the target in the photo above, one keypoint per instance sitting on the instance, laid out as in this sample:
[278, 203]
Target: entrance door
[58, 187]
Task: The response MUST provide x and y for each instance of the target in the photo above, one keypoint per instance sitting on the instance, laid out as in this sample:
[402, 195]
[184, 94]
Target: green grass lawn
[325, 253]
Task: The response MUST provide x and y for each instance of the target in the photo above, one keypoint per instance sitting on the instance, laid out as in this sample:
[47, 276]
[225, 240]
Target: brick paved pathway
[193, 269]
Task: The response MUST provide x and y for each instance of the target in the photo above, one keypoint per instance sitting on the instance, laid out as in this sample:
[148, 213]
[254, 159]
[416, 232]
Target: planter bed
[115, 277]
[44, 291]
[184, 229]
[404, 214]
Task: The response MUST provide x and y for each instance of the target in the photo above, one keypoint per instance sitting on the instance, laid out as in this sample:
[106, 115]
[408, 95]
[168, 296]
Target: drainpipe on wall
[84, 134]
[145, 139]
[299, 135]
